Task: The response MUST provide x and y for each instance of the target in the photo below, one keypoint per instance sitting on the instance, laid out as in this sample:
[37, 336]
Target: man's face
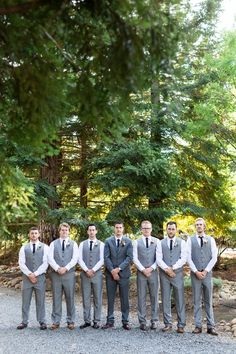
[119, 229]
[34, 235]
[146, 229]
[92, 232]
[200, 226]
[171, 230]
[64, 232]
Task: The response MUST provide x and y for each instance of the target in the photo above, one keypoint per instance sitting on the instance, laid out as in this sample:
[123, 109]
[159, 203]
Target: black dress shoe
[126, 326]
[108, 325]
[167, 328]
[143, 327]
[43, 326]
[153, 325]
[22, 326]
[86, 324]
[197, 330]
[96, 325]
[212, 331]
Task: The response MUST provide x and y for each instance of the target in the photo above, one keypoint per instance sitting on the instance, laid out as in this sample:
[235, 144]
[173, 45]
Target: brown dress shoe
[108, 325]
[143, 327]
[180, 330]
[22, 326]
[197, 330]
[167, 328]
[54, 326]
[212, 331]
[71, 326]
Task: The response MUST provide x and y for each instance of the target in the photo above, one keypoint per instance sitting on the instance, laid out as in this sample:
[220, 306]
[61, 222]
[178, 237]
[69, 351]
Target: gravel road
[90, 341]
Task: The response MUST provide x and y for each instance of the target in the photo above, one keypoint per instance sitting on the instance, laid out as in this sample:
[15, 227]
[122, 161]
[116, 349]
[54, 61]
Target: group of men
[147, 253]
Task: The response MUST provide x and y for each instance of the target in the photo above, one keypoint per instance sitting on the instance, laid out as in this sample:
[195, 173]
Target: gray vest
[170, 257]
[91, 258]
[201, 256]
[147, 256]
[34, 260]
[62, 258]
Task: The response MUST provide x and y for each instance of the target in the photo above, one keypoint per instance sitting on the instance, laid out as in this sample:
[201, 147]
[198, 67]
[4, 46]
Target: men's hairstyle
[171, 223]
[91, 225]
[118, 222]
[63, 224]
[200, 219]
[145, 222]
[33, 228]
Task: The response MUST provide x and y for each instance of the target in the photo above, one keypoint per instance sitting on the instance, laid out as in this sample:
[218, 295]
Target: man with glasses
[202, 256]
[144, 256]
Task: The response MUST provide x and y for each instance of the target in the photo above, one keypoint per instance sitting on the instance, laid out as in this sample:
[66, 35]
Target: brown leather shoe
[143, 327]
[22, 326]
[197, 330]
[54, 326]
[153, 325]
[71, 326]
[167, 328]
[126, 326]
[108, 325]
[212, 331]
[180, 330]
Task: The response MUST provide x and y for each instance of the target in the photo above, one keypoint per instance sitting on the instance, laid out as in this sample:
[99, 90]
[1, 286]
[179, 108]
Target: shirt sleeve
[43, 267]
[74, 259]
[189, 256]
[51, 259]
[80, 258]
[100, 263]
[159, 257]
[183, 256]
[214, 252]
[25, 270]
[136, 261]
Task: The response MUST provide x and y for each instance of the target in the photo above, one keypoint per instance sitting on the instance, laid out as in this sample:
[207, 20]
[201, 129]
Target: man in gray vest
[118, 254]
[91, 260]
[33, 264]
[144, 255]
[202, 256]
[171, 257]
[62, 257]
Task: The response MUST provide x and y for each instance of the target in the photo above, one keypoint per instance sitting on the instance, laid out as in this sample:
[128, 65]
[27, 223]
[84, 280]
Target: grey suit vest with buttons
[201, 256]
[62, 258]
[170, 257]
[34, 260]
[146, 256]
[91, 258]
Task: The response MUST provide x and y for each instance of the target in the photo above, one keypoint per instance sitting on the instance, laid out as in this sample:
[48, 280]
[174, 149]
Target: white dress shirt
[213, 250]
[135, 253]
[99, 264]
[42, 268]
[180, 262]
[74, 258]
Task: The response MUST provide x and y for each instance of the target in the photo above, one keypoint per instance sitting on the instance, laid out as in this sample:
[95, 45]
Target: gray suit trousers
[111, 286]
[27, 291]
[177, 284]
[63, 283]
[150, 284]
[202, 289]
[91, 286]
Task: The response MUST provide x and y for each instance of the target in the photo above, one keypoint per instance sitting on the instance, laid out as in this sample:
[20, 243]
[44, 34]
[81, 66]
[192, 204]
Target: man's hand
[115, 273]
[32, 278]
[61, 270]
[147, 272]
[200, 275]
[90, 273]
[170, 272]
